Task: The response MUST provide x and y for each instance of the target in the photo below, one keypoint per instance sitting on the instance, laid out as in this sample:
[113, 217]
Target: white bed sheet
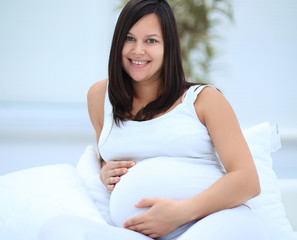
[29, 198]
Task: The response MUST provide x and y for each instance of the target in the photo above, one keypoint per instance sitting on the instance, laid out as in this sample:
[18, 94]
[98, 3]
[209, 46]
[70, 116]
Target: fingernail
[125, 170]
[117, 179]
[133, 164]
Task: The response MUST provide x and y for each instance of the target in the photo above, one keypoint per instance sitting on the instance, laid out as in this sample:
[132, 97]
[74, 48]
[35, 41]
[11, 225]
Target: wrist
[101, 177]
[193, 210]
[188, 214]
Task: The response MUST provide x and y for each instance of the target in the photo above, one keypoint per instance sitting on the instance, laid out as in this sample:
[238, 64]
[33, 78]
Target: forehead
[149, 24]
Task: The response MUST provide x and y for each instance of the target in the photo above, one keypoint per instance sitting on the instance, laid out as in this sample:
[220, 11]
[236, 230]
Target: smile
[139, 62]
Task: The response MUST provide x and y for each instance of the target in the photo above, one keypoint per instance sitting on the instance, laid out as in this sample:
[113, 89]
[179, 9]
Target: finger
[115, 172]
[112, 180]
[146, 202]
[110, 187]
[134, 221]
[144, 231]
[122, 164]
[139, 228]
[118, 172]
[153, 235]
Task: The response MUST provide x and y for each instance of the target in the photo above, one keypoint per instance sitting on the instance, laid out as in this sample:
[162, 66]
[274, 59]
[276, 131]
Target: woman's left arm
[238, 185]
[241, 182]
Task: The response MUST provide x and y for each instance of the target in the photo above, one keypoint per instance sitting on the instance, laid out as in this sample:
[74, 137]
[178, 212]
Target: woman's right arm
[111, 171]
[96, 95]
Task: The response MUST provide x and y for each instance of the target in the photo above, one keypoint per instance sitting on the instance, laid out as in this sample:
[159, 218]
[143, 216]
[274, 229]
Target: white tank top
[178, 133]
[174, 155]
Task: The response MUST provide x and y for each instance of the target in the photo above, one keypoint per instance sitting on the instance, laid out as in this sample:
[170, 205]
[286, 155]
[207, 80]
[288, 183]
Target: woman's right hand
[111, 172]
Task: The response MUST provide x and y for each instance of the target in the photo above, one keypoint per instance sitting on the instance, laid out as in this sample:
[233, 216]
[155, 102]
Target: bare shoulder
[209, 93]
[210, 101]
[97, 90]
[96, 96]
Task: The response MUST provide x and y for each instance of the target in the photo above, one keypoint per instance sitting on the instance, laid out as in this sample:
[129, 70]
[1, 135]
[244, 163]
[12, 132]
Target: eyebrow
[149, 35]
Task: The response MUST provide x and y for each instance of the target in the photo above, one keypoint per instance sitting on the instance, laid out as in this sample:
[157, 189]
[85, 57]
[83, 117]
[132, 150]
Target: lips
[139, 63]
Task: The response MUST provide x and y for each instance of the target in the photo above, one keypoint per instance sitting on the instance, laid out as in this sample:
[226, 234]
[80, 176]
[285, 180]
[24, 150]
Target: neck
[145, 93]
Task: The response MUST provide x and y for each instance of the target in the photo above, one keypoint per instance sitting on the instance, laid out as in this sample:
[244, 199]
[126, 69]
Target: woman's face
[143, 51]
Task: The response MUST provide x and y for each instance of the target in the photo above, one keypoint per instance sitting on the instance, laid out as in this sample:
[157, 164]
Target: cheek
[161, 60]
[125, 50]
[160, 55]
[124, 58]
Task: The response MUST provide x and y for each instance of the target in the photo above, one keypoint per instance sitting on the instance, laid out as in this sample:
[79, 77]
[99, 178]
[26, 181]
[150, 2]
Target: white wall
[52, 51]
[257, 71]
[259, 74]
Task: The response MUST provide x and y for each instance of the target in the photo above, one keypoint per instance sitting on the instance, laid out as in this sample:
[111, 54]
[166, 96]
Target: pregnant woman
[172, 152]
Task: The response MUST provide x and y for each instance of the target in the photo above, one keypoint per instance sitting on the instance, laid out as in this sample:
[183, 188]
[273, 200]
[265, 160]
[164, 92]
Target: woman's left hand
[163, 217]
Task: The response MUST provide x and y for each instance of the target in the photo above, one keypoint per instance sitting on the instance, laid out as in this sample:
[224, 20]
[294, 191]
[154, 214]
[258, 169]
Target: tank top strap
[191, 96]
[108, 119]
[192, 93]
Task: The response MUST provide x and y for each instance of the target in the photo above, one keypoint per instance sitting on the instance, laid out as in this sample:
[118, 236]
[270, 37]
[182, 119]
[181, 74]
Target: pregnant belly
[174, 178]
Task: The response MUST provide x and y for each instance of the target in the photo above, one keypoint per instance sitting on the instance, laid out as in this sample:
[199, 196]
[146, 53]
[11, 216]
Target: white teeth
[138, 63]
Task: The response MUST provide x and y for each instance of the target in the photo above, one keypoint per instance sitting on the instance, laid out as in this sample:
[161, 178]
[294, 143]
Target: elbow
[256, 187]
[252, 184]
[257, 190]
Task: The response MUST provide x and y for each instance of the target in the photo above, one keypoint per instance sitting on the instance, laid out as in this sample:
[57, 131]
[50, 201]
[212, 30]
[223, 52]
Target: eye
[151, 41]
[129, 39]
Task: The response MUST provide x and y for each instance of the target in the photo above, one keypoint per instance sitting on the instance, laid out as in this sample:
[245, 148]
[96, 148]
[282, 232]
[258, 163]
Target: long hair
[173, 80]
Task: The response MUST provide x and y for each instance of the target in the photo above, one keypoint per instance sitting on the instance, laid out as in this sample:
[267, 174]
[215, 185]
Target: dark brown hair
[173, 80]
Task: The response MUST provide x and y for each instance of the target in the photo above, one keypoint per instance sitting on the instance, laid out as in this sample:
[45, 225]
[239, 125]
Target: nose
[139, 48]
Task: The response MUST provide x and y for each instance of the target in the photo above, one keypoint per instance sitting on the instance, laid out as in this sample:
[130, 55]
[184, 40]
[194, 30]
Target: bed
[30, 197]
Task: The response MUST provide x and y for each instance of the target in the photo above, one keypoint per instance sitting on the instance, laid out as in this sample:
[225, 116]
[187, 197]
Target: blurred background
[51, 52]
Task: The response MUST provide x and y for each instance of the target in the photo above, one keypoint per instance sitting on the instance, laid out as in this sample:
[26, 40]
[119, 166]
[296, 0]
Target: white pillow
[262, 140]
[28, 198]
[88, 169]
[288, 187]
